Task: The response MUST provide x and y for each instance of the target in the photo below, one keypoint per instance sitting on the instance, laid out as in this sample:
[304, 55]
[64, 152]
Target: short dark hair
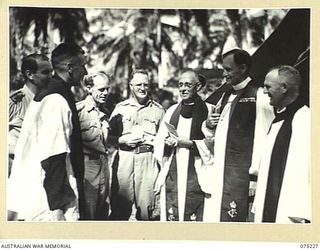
[65, 51]
[89, 79]
[240, 57]
[30, 62]
[139, 71]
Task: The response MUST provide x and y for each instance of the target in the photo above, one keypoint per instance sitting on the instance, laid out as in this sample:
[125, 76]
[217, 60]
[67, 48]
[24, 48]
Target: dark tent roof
[288, 44]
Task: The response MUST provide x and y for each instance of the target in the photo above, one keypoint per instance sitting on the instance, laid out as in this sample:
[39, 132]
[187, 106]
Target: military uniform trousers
[133, 182]
[96, 187]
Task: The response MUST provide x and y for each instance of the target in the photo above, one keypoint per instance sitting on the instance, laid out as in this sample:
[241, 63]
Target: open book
[172, 130]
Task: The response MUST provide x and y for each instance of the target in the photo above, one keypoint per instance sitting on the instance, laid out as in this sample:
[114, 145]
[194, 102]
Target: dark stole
[198, 112]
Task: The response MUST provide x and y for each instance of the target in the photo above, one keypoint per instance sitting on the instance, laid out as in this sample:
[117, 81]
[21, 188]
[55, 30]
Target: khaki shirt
[19, 101]
[94, 127]
[130, 117]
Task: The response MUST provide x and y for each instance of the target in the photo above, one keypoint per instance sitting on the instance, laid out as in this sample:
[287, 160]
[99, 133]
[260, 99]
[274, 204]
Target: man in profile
[36, 70]
[284, 183]
[245, 116]
[46, 181]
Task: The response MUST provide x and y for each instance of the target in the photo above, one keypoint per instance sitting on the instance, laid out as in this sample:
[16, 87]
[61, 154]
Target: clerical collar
[281, 110]
[242, 84]
[187, 108]
[288, 110]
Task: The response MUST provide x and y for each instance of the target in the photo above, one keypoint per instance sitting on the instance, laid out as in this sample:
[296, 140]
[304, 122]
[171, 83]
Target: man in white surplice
[179, 149]
[245, 116]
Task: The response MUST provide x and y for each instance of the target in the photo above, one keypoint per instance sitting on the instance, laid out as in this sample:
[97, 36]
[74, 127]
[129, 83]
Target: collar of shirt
[281, 110]
[242, 84]
[133, 102]
[28, 93]
[90, 103]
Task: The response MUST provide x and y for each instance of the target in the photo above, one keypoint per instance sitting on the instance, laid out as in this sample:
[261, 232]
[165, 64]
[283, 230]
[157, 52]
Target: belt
[92, 157]
[138, 149]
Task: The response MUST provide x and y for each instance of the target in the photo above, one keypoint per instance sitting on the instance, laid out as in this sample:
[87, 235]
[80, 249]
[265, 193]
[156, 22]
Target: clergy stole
[238, 154]
[278, 161]
[194, 201]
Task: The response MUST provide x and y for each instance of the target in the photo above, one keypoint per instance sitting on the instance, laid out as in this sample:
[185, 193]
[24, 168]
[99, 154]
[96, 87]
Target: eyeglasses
[139, 85]
[188, 85]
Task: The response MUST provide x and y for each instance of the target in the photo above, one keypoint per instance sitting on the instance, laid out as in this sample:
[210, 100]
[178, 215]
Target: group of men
[197, 161]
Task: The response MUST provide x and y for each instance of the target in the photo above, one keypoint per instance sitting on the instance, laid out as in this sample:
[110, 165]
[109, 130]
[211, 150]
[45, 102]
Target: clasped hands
[174, 141]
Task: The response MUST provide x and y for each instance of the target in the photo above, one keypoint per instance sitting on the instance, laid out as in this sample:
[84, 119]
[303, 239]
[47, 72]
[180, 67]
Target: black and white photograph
[135, 121]
[182, 115]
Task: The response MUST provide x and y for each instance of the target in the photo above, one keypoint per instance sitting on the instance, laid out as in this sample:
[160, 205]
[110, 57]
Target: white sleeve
[54, 126]
[264, 118]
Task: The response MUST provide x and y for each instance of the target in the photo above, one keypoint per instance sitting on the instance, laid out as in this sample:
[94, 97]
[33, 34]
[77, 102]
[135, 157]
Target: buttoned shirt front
[94, 127]
[131, 117]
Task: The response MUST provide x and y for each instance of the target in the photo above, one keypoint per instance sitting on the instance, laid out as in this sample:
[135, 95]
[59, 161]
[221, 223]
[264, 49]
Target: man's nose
[224, 73]
[265, 91]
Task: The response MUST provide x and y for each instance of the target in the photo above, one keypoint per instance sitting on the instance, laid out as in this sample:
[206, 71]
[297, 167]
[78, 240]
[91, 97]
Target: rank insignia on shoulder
[79, 106]
[233, 211]
[17, 96]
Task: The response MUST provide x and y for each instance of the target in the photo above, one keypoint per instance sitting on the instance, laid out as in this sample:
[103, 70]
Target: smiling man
[182, 198]
[94, 131]
[46, 181]
[134, 124]
[36, 69]
[284, 183]
[245, 116]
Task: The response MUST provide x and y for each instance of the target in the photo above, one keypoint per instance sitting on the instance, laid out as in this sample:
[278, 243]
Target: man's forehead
[140, 78]
[100, 81]
[188, 76]
[228, 59]
[273, 74]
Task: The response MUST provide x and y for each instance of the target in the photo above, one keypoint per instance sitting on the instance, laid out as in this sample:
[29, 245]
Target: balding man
[182, 197]
[283, 188]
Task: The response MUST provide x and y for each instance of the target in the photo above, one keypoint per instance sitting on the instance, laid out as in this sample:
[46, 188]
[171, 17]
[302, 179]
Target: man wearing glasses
[177, 150]
[133, 126]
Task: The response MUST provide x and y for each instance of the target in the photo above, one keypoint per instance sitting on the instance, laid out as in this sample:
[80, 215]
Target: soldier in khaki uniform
[134, 124]
[94, 132]
[36, 70]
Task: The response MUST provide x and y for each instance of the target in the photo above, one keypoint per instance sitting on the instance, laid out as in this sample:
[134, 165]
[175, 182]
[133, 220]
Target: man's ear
[284, 88]
[199, 86]
[29, 75]
[88, 88]
[69, 68]
[243, 68]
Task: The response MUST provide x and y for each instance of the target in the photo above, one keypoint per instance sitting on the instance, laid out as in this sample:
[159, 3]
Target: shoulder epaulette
[157, 104]
[124, 103]
[80, 106]
[17, 96]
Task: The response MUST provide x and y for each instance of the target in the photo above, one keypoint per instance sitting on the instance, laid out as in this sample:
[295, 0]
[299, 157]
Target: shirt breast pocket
[150, 126]
[127, 123]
